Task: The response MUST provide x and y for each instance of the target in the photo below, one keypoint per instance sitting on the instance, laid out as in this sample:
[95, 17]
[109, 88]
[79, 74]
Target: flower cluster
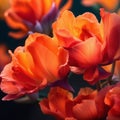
[59, 44]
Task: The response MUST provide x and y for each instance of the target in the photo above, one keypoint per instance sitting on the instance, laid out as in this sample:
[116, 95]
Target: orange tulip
[108, 4]
[90, 44]
[33, 15]
[87, 105]
[33, 66]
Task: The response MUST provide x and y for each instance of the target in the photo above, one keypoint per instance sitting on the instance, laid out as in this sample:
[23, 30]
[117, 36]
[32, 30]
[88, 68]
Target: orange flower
[108, 4]
[85, 106]
[90, 44]
[33, 66]
[33, 15]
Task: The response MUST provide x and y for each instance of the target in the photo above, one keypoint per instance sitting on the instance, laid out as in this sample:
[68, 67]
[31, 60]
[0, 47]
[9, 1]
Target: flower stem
[98, 85]
[112, 72]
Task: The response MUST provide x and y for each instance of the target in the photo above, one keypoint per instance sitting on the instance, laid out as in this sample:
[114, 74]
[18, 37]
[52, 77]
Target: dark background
[10, 110]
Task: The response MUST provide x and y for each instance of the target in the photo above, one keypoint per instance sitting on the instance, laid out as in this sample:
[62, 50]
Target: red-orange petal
[111, 23]
[55, 104]
[94, 74]
[86, 53]
[86, 110]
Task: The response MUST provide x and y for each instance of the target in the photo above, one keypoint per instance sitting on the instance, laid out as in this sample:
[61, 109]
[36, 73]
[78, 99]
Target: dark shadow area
[17, 111]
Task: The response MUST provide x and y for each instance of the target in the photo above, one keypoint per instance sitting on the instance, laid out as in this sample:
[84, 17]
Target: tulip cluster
[57, 45]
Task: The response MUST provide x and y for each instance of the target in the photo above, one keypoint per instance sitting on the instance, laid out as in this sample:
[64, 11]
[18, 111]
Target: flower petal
[112, 34]
[86, 110]
[94, 74]
[55, 104]
[86, 53]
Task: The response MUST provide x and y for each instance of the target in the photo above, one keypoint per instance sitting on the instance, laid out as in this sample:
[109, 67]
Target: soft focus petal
[15, 22]
[4, 5]
[43, 13]
[110, 5]
[24, 9]
[112, 34]
[89, 2]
